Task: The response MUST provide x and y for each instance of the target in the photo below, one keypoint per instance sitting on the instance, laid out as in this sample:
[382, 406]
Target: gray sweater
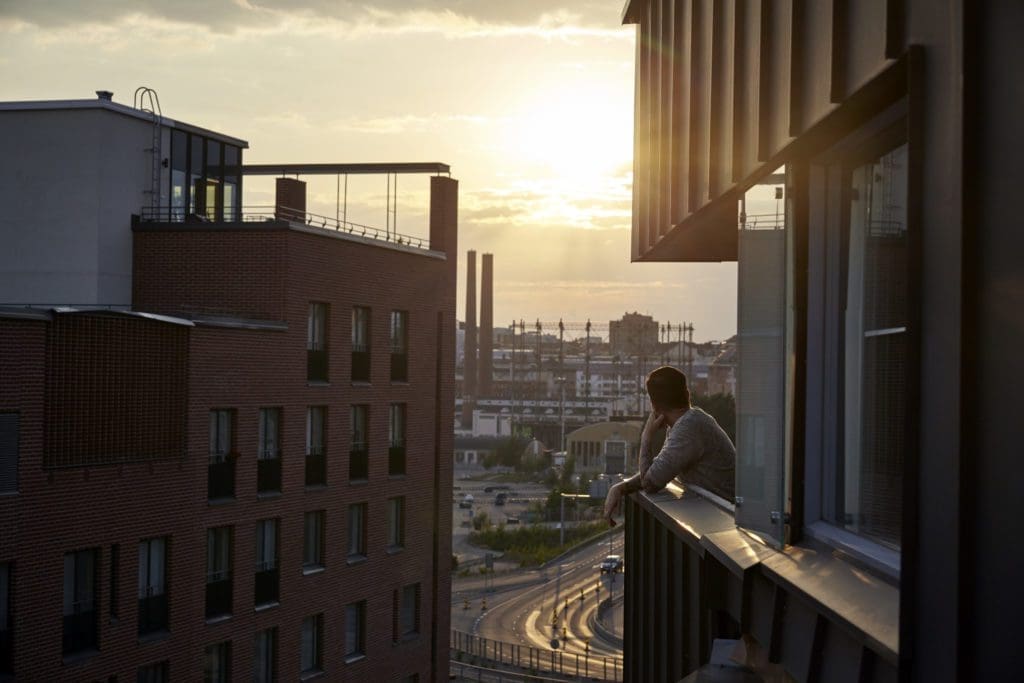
[696, 451]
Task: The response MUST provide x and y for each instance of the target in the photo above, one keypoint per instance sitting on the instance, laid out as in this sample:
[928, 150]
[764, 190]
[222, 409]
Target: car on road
[611, 564]
[467, 501]
[500, 499]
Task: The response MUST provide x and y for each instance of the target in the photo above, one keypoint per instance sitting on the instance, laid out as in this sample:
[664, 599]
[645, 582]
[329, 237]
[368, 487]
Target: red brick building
[246, 474]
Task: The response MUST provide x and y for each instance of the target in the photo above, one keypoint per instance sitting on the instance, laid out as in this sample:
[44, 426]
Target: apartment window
[312, 644]
[6, 622]
[219, 584]
[360, 344]
[267, 574]
[80, 593]
[160, 672]
[399, 339]
[396, 522]
[359, 464]
[221, 469]
[153, 602]
[316, 458]
[357, 530]
[217, 663]
[9, 427]
[355, 630]
[265, 656]
[268, 454]
[406, 615]
[316, 343]
[396, 439]
[313, 540]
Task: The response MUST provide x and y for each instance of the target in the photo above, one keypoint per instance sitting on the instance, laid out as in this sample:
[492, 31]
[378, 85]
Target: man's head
[667, 388]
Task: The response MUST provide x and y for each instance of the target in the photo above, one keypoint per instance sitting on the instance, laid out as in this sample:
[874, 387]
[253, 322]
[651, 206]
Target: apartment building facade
[876, 336]
[238, 475]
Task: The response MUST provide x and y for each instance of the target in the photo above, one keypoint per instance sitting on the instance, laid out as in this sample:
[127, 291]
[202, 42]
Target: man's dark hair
[667, 388]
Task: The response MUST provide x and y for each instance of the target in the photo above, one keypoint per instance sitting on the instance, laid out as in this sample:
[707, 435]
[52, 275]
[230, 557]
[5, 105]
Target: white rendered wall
[69, 185]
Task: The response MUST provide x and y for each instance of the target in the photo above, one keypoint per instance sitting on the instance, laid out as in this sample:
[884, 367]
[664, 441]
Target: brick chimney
[469, 370]
[486, 324]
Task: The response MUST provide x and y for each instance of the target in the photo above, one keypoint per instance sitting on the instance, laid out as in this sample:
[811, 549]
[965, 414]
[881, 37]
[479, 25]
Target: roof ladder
[147, 100]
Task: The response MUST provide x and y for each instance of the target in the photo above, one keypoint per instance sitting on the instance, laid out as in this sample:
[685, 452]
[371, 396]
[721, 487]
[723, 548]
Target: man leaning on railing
[696, 450]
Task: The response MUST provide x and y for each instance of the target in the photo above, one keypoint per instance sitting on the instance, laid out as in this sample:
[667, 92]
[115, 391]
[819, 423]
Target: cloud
[453, 18]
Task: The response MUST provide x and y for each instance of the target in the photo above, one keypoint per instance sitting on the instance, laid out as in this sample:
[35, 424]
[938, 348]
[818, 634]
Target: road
[521, 603]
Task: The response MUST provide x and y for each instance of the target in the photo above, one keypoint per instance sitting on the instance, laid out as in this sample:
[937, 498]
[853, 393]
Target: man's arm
[681, 451]
[633, 484]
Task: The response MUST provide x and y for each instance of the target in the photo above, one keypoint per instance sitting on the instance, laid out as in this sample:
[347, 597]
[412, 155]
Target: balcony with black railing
[360, 365]
[153, 613]
[396, 460]
[316, 467]
[316, 365]
[80, 632]
[399, 366]
[220, 477]
[268, 474]
[219, 589]
[359, 463]
[267, 584]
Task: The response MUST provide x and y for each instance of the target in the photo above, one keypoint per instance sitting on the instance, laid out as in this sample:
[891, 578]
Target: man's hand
[655, 421]
[612, 503]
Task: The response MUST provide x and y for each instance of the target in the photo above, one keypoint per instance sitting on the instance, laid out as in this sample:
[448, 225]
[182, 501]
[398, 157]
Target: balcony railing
[262, 214]
[316, 365]
[360, 366]
[316, 468]
[218, 596]
[153, 614]
[358, 464]
[80, 631]
[220, 480]
[267, 586]
[396, 460]
[399, 367]
[268, 475]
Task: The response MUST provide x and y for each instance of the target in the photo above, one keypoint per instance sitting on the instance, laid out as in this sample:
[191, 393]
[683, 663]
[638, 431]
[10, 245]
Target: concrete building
[878, 332]
[230, 460]
[634, 334]
[606, 447]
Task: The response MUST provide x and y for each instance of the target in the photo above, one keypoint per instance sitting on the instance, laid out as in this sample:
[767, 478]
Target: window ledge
[265, 606]
[398, 477]
[358, 482]
[219, 619]
[407, 638]
[400, 383]
[361, 383]
[317, 383]
[268, 495]
[76, 658]
[213, 502]
[355, 559]
[154, 637]
[840, 590]
[311, 675]
[884, 561]
[352, 659]
[309, 571]
[395, 549]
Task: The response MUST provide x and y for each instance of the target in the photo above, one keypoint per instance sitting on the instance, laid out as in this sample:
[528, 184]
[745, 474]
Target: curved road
[521, 604]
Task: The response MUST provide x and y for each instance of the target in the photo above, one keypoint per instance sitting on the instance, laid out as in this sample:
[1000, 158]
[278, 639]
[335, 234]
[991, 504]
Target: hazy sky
[531, 103]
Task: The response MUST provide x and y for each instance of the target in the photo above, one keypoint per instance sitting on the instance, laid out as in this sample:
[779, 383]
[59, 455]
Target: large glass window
[396, 522]
[153, 603]
[265, 656]
[214, 173]
[268, 454]
[232, 183]
[399, 334]
[355, 630]
[316, 343]
[358, 467]
[80, 588]
[396, 439]
[312, 644]
[267, 574]
[316, 458]
[196, 186]
[221, 466]
[217, 663]
[360, 344]
[357, 531]
[313, 540]
[218, 571]
[179, 171]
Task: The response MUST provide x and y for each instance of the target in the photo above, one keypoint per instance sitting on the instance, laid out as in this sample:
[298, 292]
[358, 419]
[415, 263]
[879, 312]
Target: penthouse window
[81, 584]
[221, 469]
[205, 178]
[396, 439]
[268, 453]
[219, 584]
[358, 464]
[399, 337]
[267, 572]
[316, 343]
[360, 344]
[396, 523]
[316, 456]
[153, 600]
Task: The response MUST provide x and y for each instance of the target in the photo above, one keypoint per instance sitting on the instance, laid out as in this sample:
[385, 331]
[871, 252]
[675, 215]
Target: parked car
[511, 520]
[611, 564]
[467, 501]
[500, 499]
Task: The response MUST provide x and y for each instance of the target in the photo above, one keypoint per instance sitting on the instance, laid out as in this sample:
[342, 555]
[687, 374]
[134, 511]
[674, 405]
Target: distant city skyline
[531, 103]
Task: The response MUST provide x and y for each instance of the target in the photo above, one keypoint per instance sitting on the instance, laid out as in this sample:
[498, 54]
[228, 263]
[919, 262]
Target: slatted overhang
[726, 92]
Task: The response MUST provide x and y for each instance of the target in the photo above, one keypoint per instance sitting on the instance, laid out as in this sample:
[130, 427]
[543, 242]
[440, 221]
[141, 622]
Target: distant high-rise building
[486, 325]
[633, 335]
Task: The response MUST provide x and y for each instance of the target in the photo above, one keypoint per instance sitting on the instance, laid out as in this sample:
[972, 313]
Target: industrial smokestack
[469, 370]
[486, 323]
